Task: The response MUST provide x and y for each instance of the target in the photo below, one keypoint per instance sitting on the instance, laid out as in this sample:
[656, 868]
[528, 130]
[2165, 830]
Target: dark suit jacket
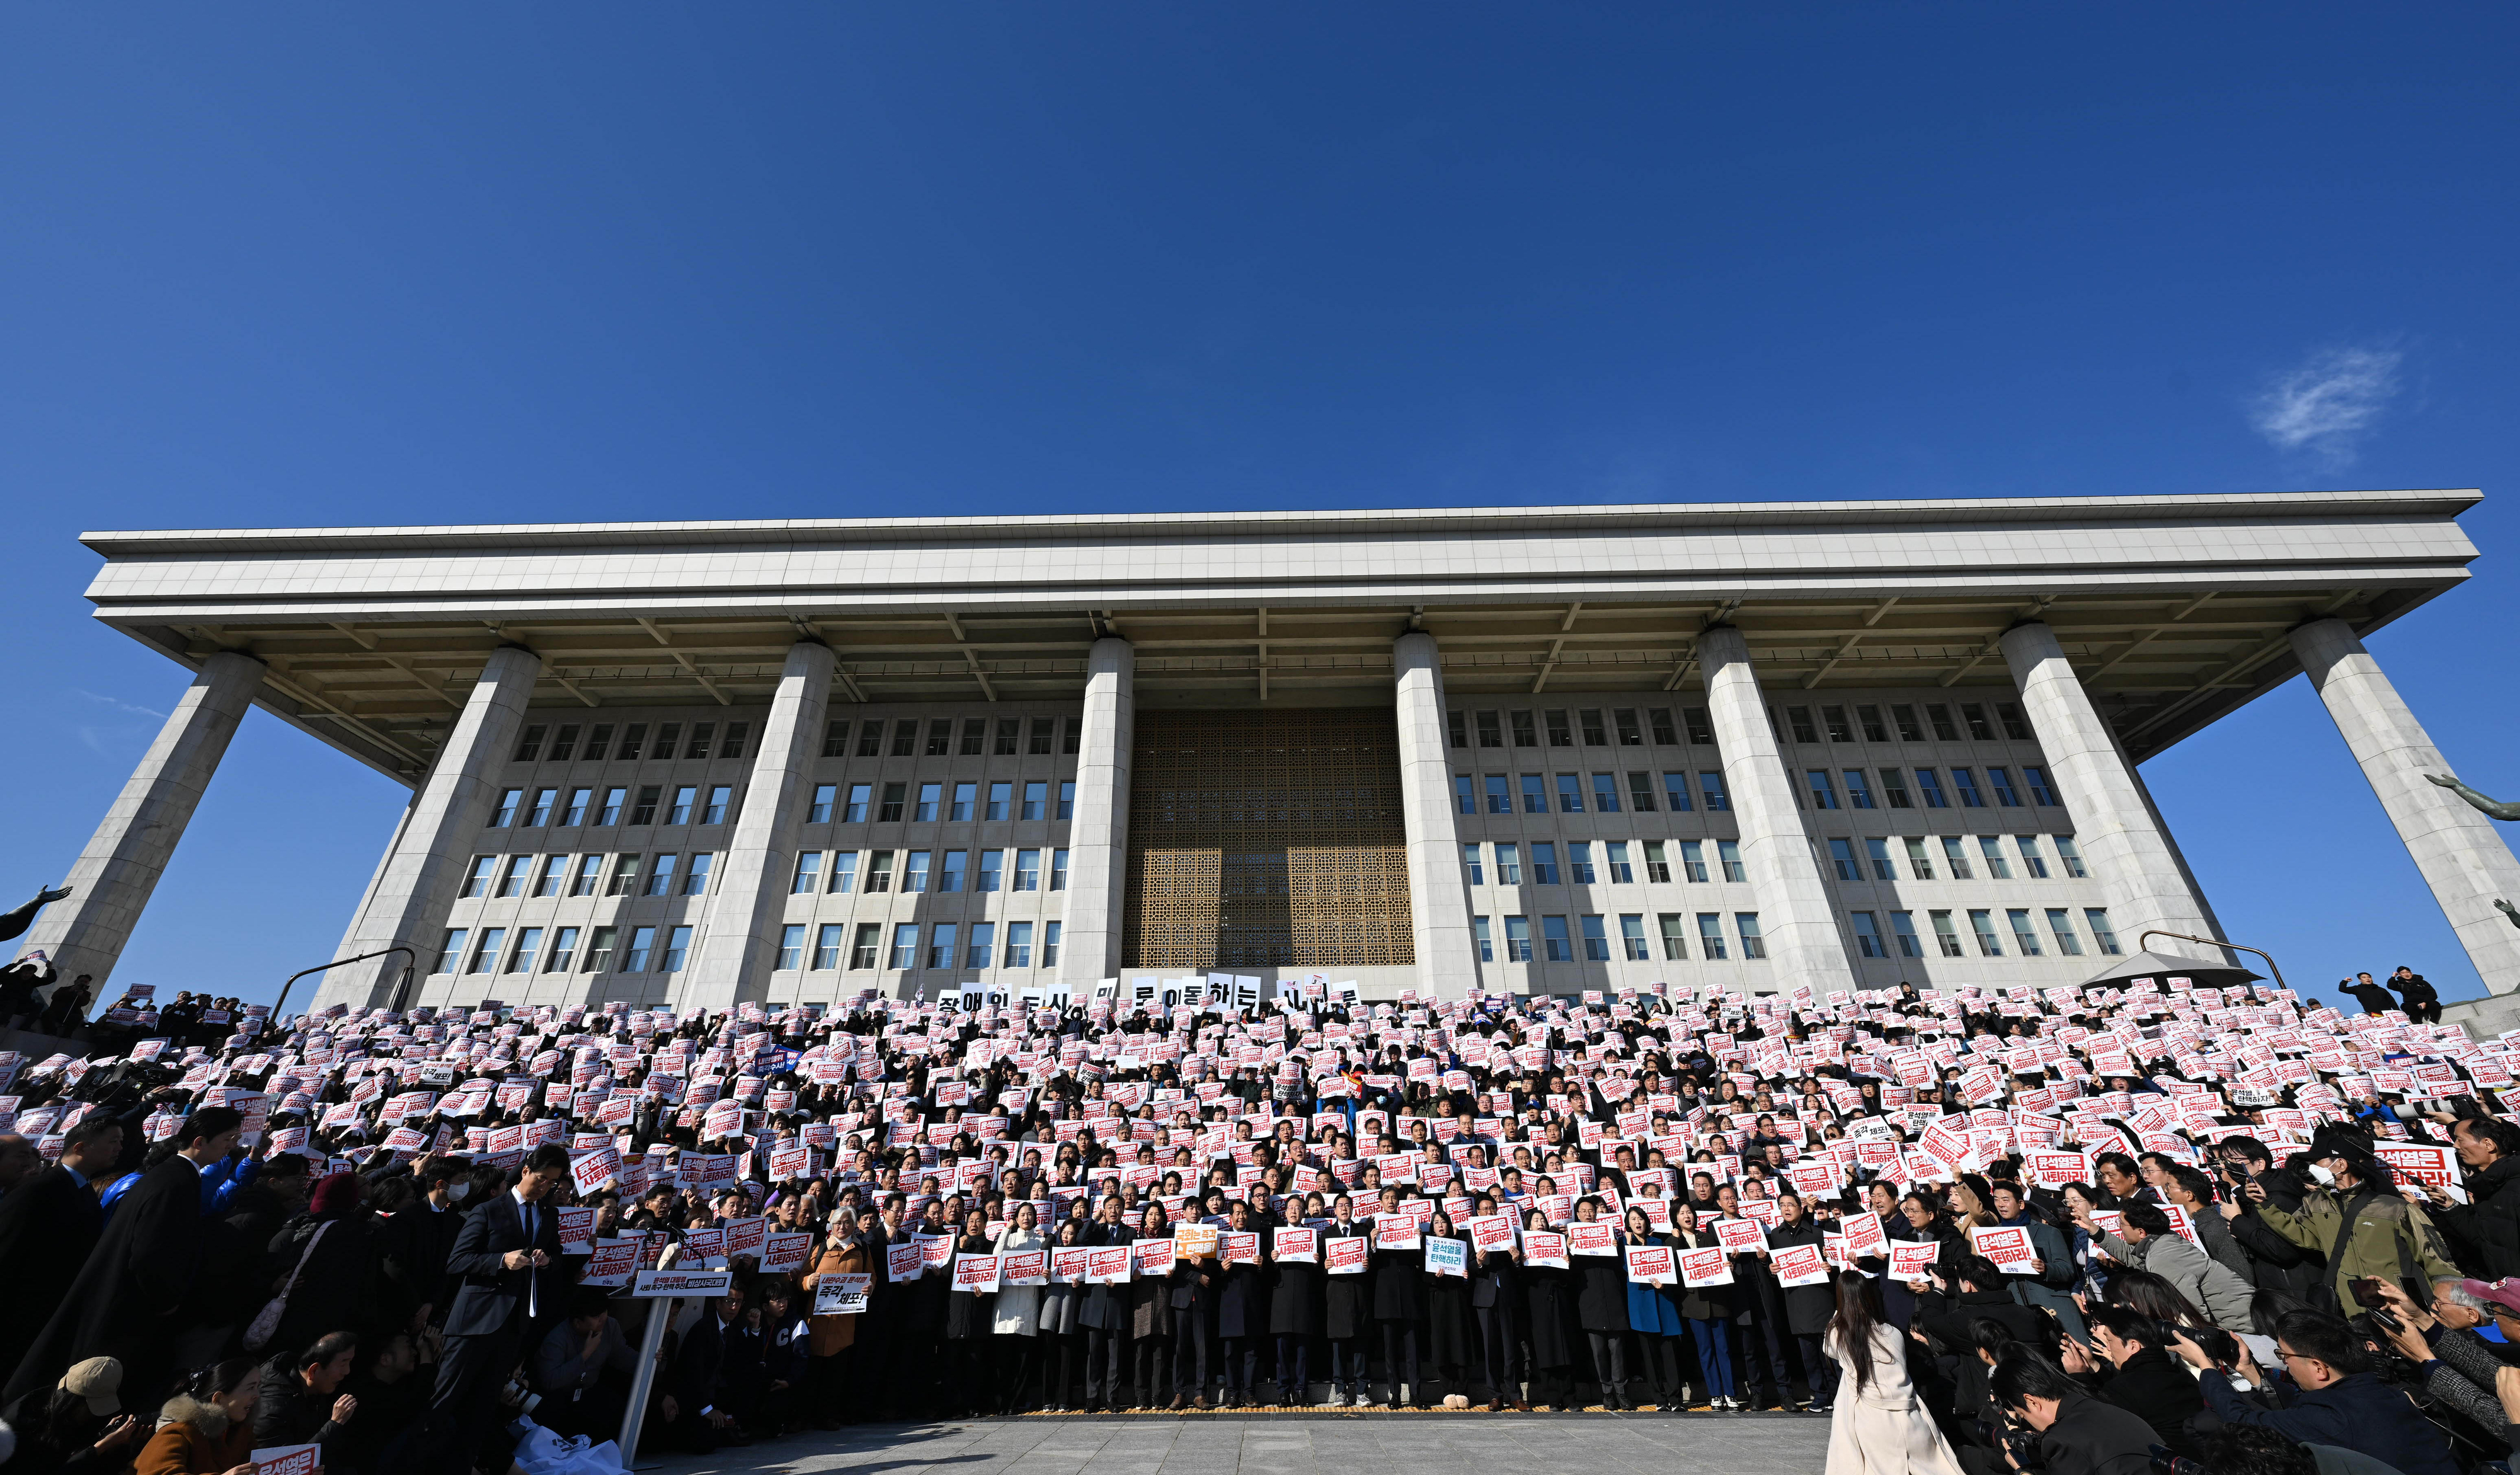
[123, 1303]
[48, 1225]
[489, 1295]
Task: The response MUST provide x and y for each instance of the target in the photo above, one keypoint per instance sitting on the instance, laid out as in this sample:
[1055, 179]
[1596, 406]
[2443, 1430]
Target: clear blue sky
[318, 264]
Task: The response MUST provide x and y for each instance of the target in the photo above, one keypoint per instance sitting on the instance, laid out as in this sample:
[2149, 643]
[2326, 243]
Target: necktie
[533, 1282]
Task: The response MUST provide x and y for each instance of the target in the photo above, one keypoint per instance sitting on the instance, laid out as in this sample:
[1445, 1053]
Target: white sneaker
[1361, 1401]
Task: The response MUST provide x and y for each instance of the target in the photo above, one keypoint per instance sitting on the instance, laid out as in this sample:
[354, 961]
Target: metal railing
[411, 961]
[2215, 942]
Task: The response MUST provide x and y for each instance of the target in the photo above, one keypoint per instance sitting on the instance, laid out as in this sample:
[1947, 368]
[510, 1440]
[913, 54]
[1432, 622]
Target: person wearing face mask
[2366, 1228]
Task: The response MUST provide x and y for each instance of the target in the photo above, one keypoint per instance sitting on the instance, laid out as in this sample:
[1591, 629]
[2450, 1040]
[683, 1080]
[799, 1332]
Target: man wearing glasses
[2334, 1398]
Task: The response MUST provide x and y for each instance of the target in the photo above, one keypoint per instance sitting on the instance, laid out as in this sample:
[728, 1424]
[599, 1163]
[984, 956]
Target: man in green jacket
[2362, 1224]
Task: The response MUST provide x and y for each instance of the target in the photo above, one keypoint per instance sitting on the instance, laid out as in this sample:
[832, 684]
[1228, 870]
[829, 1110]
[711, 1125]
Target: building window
[1605, 793]
[1517, 939]
[1562, 729]
[554, 869]
[2072, 857]
[1974, 714]
[695, 880]
[855, 811]
[791, 949]
[993, 864]
[485, 951]
[1728, 854]
[1049, 944]
[1800, 720]
[1456, 729]
[450, 952]
[1597, 939]
[1040, 740]
[984, 944]
[714, 812]
[866, 945]
[660, 875]
[844, 873]
[505, 814]
[611, 813]
[680, 811]
[1059, 869]
[1002, 798]
[539, 814]
[590, 870]
[698, 748]
[966, 797]
[1595, 733]
[1675, 942]
[870, 740]
[598, 738]
[1903, 926]
[1535, 798]
[1930, 789]
[1823, 793]
[1992, 849]
[1693, 859]
[2002, 782]
[1941, 717]
[950, 868]
[1701, 730]
[896, 802]
[1859, 794]
[1471, 860]
[574, 812]
[2037, 777]
[1867, 935]
[809, 872]
[1486, 943]
[1964, 784]
[1710, 787]
[2016, 726]
[1544, 863]
[1631, 735]
[678, 947]
[1067, 799]
[477, 879]
[625, 876]
[512, 880]
[1880, 850]
[1491, 731]
[914, 872]
[529, 749]
[1753, 944]
[1710, 936]
[932, 796]
[1578, 862]
[940, 737]
[1641, 795]
[1945, 936]
[819, 812]
[1526, 733]
[905, 946]
[2098, 920]
[828, 940]
[976, 735]
[667, 734]
[2033, 862]
[1982, 923]
[1631, 937]
[1071, 735]
[2022, 937]
[1556, 944]
[1509, 863]
[2061, 926]
[1894, 788]
[564, 950]
[1833, 720]
[1621, 872]
[879, 872]
[1465, 798]
[643, 812]
[1027, 871]
[1920, 861]
[1019, 945]
[836, 739]
[1842, 852]
[1500, 799]
[633, 739]
[1035, 799]
[599, 949]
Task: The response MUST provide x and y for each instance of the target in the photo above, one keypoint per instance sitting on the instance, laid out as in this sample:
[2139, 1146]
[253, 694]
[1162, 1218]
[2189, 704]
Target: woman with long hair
[208, 1427]
[1877, 1427]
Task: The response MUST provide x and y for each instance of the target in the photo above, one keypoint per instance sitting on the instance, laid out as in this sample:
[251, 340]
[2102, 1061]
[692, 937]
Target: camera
[2174, 1464]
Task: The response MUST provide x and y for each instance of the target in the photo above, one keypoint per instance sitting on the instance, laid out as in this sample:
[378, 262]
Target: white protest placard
[1598, 1237]
[1912, 1261]
[1296, 1244]
[2428, 1162]
[1651, 1264]
[781, 1253]
[1865, 1235]
[2053, 1169]
[1800, 1265]
[1490, 1232]
[1706, 1266]
[978, 1274]
[1741, 1236]
[2007, 1245]
[651, 1285]
[611, 1261]
[903, 1262]
[1346, 1256]
[288, 1459]
[1544, 1250]
[1447, 1257]
[841, 1295]
[1396, 1232]
[1024, 1268]
[1110, 1264]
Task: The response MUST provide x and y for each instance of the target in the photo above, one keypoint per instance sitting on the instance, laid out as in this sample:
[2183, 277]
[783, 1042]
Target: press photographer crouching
[2327, 1395]
[2076, 1433]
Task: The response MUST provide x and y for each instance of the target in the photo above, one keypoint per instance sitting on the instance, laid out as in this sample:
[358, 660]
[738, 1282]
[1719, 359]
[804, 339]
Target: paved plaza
[1291, 1444]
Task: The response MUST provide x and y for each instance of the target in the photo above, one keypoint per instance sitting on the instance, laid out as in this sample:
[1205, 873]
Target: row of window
[1596, 726]
[1643, 794]
[1557, 944]
[1615, 862]
[560, 742]
[664, 874]
[896, 804]
[1869, 941]
[1876, 854]
[916, 945]
[491, 952]
[546, 807]
[837, 872]
[1000, 735]
[581, 807]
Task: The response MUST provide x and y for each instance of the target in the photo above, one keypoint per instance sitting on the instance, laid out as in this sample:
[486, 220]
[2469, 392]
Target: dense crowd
[2001, 1229]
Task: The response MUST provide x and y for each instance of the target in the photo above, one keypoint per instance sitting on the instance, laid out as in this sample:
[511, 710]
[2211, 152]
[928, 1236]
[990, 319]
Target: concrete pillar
[2120, 836]
[1439, 900]
[85, 932]
[2462, 857]
[1795, 914]
[1098, 838]
[736, 951]
[409, 902]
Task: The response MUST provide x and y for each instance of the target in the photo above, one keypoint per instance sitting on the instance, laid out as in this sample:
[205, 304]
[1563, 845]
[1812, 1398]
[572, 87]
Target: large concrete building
[1528, 749]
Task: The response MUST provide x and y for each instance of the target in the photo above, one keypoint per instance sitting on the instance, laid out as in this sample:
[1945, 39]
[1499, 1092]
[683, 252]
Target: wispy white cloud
[2326, 405]
[119, 705]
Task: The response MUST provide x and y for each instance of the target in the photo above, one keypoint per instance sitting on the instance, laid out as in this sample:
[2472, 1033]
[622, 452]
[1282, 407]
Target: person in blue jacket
[2334, 1400]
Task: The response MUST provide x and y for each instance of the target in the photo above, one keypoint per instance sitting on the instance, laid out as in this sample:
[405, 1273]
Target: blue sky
[299, 264]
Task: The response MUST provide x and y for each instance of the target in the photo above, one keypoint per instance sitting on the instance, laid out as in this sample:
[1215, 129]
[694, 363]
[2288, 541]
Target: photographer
[2459, 1371]
[2150, 1245]
[2136, 1372]
[2078, 1433]
[2337, 1401]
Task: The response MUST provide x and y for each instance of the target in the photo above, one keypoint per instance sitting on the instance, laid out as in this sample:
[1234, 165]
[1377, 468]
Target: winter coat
[836, 1333]
[2387, 1239]
[2491, 1222]
[1808, 1307]
[193, 1438]
[1294, 1294]
[2206, 1282]
[1017, 1312]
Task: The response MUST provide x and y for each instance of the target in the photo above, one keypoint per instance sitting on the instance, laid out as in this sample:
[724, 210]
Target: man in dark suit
[48, 1225]
[506, 1263]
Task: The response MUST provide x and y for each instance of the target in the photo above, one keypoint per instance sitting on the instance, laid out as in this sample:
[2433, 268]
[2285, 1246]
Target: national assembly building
[1758, 746]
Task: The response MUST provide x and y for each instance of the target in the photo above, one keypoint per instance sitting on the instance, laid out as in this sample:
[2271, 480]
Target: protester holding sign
[1451, 1341]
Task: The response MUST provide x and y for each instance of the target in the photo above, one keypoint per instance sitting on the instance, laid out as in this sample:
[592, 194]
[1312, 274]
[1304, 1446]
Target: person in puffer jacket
[2205, 1281]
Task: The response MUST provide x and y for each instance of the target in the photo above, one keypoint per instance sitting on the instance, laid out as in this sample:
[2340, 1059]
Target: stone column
[1098, 838]
[1439, 900]
[747, 895]
[409, 902]
[2462, 857]
[2115, 826]
[1795, 914]
[85, 932]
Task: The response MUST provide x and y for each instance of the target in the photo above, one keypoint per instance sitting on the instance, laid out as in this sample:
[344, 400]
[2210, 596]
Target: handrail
[412, 961]
[2215, 942]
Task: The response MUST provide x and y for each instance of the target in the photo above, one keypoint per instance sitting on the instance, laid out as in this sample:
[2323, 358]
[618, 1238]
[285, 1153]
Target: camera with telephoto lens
[2174, 1464]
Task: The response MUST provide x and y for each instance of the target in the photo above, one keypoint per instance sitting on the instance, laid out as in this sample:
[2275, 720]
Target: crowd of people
[2084, 1230]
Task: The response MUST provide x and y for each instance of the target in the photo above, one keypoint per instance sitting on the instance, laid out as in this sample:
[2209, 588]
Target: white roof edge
[2451, 500]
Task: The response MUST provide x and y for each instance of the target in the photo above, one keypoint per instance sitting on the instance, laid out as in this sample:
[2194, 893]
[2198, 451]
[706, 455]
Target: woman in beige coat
[1879, 1426]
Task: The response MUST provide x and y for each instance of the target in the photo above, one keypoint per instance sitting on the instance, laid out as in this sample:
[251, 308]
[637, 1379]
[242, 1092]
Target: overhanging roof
[2174, 609]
